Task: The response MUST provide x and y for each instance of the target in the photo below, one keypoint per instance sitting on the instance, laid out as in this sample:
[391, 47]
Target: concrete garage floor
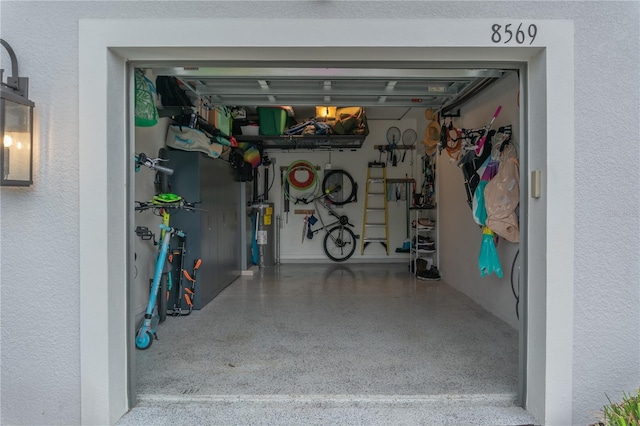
[332, 344]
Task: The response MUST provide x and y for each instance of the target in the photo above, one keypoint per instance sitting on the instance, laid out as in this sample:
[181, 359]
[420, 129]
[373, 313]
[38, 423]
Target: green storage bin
[273, 120]
[224, 122]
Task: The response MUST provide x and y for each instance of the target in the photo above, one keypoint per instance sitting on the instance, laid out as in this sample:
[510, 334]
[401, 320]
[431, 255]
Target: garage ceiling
[387, 93]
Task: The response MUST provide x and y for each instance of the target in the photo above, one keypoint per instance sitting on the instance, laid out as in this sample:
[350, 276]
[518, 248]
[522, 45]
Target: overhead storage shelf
[305, 141]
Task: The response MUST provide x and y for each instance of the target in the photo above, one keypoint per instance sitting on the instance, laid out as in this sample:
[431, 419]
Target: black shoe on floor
[421, 265]
[431, 274]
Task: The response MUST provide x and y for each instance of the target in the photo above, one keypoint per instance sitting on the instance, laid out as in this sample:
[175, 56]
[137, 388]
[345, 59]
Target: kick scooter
[147, 331]
[161, 205]
[157, 305]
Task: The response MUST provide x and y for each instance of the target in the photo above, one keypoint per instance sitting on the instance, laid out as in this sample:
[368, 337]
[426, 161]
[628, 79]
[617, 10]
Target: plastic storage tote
[273, 120]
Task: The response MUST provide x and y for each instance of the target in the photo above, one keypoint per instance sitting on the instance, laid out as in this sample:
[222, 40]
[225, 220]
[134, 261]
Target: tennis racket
[409, 138]
[393, 137]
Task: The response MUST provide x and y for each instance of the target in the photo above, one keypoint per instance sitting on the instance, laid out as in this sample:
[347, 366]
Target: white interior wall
[355, 162]
[460, 236]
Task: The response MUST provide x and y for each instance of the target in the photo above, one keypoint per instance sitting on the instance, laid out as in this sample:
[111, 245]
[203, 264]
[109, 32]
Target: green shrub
[625, 413]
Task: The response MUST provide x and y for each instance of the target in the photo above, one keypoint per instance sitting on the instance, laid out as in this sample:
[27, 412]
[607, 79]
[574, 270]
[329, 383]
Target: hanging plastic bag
[479, 209]
[146, 113]
[488, 259]
[502, 196]
[187, 139]
[251, 154]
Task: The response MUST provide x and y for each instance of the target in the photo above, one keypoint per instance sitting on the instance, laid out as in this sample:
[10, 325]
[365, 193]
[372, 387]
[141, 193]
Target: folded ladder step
[379, 178]
[376, 165]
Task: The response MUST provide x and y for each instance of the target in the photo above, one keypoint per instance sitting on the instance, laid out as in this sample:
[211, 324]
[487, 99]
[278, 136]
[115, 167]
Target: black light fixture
[16, 127]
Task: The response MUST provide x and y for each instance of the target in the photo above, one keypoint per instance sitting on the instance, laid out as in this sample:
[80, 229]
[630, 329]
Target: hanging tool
[284, 184]
[407, 206]
[381, 150]
[255, 251]
[286, 200]
[305, 226]
[393, 137]
[266, 163]
[284, 196]
[486, 131]
[409, 138]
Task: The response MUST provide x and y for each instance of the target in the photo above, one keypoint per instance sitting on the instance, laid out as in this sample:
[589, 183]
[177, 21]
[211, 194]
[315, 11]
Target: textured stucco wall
[40, 366]
[607, 253]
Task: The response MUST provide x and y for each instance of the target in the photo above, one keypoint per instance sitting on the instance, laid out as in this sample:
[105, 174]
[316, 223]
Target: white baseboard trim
[352, 260]
[250, 271]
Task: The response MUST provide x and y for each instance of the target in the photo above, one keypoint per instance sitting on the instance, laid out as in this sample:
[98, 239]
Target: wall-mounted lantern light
[16, 127]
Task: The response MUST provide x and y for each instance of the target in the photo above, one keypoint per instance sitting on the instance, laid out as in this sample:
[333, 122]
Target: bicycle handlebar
[152, 163]
[181, 204]
[162, 169]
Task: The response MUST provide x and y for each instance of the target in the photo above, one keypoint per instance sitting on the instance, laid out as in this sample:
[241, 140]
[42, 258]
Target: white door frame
[107, 46]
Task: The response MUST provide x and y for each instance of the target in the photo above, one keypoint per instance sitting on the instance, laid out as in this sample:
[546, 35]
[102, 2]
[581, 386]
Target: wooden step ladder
[375, 215]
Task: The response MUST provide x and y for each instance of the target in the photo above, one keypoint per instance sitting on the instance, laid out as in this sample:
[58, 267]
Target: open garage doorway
[366, 328]
[539, 304]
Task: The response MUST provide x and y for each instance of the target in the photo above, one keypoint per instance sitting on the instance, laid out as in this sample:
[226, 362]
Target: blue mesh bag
[488, 259]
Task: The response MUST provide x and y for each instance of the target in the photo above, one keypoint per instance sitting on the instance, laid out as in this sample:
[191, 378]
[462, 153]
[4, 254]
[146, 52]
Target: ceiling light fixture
[326, 112]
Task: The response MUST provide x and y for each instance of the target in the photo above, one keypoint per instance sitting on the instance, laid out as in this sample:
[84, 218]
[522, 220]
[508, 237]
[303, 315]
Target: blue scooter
[147, 331]
[161, 204]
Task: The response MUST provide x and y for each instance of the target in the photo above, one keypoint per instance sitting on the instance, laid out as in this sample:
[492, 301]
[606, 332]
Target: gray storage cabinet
[212, 235]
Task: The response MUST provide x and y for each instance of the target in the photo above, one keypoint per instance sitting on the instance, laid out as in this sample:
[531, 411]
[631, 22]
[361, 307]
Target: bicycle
[339, 241]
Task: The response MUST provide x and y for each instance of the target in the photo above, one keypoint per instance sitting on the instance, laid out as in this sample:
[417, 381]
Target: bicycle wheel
[339, 243]
[161, 299]
[341, 187]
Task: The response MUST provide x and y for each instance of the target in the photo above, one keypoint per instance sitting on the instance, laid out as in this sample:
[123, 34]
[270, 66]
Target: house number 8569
[510, 34]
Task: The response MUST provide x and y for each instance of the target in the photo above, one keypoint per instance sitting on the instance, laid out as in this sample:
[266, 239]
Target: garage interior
[306, 333]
